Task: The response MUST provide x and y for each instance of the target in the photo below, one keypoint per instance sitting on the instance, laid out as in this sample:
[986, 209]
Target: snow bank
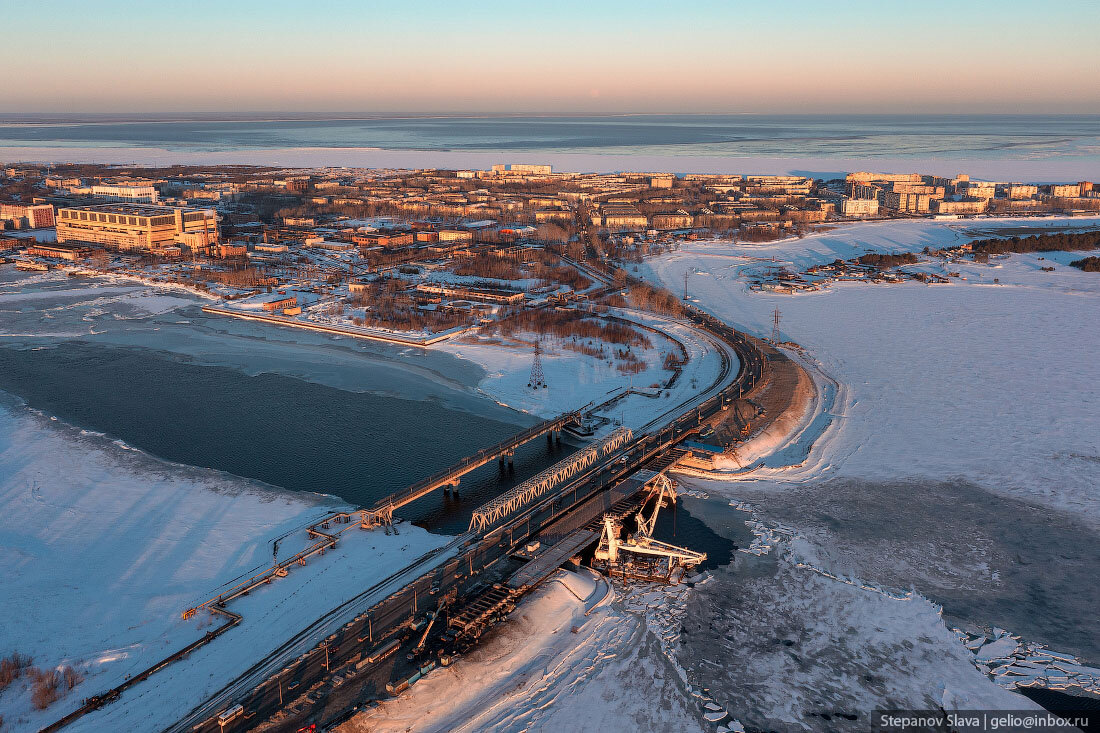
[549, 668]
[104, 546]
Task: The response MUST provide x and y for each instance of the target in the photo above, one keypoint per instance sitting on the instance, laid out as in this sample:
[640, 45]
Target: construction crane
[652, 559]
[443, 603]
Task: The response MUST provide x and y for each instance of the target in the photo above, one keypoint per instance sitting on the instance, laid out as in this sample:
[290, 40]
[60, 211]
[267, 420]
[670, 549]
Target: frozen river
[296, 410]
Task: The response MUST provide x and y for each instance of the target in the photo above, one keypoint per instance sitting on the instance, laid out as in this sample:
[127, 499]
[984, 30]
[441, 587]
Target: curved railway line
[386, 601]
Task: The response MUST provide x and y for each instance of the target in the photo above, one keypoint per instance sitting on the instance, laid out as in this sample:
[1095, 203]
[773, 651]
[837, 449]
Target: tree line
[1088, 264]
[886, 261]
[1055, 242]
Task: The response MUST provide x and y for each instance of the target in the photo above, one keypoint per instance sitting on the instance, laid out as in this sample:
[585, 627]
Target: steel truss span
[522, 495]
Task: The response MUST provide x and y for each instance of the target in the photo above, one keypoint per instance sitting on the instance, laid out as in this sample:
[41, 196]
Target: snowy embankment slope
[552, 667]
[104, 547]
[989, 382]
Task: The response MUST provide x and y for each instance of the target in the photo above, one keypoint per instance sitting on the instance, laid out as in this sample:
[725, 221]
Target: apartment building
[866, 177]
[907, 203]
[1018, 190]
[965, 206]
[32, 216]
[622, 215]
[522, 169]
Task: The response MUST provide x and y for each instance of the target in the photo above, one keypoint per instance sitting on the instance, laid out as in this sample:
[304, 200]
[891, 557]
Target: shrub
[12, 668]
[885, 261]
[1088, 264]
[72, 677]
[46, 688]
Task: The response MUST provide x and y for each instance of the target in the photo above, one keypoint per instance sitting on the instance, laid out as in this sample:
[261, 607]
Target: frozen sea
[955, 485]
[1028, 147]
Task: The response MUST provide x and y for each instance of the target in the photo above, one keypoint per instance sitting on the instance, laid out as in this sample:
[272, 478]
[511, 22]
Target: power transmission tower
[776, 316]
[687, 274]
[537, 379]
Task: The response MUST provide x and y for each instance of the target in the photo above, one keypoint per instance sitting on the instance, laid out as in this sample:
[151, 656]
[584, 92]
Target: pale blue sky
[556, 58]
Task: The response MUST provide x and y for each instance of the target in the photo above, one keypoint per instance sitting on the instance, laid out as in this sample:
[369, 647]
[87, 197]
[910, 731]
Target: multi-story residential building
[866, 177]
[933, 191]
[859, 190]
[138, 226]
[965, 206]
[557, 213]
[376, 239]
[33, 216]
[134, 193]
[522, 169]
[1018, 190]
[1065, 191]
[858, 207]
[907, 203]
[455, 235]
[621, 215]
[61, 182]
[978, 190]
[672, 220]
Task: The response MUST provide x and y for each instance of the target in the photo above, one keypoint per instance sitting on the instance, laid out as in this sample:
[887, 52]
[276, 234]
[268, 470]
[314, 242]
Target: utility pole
[537, 379]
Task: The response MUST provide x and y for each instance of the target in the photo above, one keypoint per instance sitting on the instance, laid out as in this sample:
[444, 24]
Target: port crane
[444, 602]
[640, 555]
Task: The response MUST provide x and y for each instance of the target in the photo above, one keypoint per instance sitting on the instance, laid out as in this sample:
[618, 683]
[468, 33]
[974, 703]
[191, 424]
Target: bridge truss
[522, 495]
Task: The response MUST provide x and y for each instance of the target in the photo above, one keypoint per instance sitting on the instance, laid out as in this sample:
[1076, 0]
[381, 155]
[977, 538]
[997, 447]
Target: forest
[1055, 242]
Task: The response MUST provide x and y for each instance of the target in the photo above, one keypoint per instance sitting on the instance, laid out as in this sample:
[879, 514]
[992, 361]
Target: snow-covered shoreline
[954, 400]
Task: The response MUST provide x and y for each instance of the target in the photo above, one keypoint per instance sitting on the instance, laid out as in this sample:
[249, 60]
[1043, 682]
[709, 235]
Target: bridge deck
[451, 474]
[538, 569]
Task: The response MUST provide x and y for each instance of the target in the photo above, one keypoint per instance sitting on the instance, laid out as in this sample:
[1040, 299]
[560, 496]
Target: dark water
[842, 136]
[1061, 703]
[682, 525]
[284, 431]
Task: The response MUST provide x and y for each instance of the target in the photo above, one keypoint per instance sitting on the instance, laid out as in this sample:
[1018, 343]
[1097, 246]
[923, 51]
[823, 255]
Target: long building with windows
[137, 226]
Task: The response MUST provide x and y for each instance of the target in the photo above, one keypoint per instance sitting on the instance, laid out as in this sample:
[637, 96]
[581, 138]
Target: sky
[206, 57]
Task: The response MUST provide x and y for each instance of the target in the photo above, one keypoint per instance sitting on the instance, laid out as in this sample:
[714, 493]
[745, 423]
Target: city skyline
[428, 58]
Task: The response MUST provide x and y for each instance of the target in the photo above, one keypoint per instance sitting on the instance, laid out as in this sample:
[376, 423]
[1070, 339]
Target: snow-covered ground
[957, 465]
[105, 546]
[567, 660]
[576, 380]
[109, 545]
[993, 383]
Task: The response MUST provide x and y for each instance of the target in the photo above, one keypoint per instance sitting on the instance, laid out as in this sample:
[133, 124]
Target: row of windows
[144, 221]
[107, 218]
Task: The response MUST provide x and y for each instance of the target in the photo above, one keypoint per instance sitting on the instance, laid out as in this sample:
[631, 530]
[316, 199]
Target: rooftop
[134, 209]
